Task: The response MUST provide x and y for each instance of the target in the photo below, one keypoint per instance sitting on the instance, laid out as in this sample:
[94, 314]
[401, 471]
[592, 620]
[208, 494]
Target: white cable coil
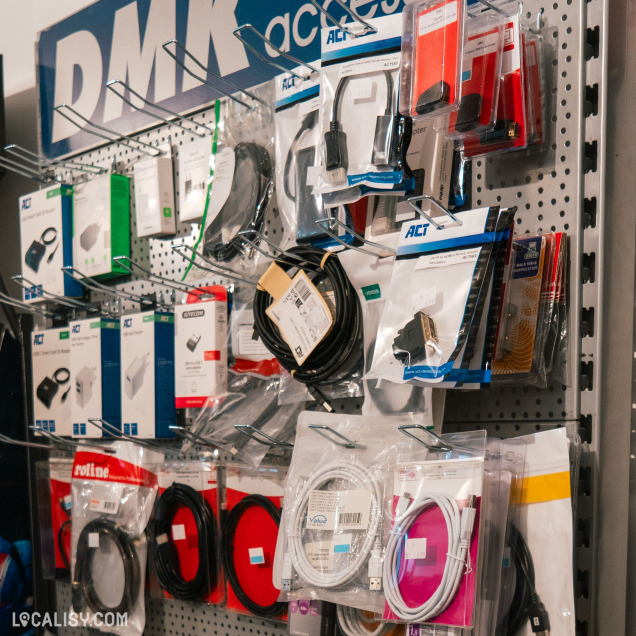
[459, 526]
[353, 622]
[356, 477]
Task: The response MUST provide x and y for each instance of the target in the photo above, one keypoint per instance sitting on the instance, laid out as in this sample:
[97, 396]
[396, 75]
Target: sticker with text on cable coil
[339, 510]
[302, 315]
[105, 498]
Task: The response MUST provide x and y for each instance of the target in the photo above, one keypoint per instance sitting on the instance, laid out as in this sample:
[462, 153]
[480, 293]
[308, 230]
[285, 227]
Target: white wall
[20, 22]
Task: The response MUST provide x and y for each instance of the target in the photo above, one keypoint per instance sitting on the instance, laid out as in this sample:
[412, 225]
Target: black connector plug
[469, 112]
[412, 340]
[433, 98]
[336, 158]
[538, 615]
[504, 130]
[383, 146]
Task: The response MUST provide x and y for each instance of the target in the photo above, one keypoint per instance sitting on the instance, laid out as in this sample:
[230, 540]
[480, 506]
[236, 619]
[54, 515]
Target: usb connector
[336, 157]
[403, 503]
[287, 573]
[375, 567]
[468, 520]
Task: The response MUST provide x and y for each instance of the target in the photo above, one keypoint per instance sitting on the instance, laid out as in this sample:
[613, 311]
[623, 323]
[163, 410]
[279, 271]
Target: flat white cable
[460, 529]
[357, 477]
[352, 622]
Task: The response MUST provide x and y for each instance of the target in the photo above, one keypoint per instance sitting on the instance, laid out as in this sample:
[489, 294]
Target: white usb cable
[460, 529]
[353, 622]
[356, 477]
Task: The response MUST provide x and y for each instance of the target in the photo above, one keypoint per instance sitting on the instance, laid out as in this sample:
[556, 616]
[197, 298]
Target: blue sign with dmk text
[122, 39]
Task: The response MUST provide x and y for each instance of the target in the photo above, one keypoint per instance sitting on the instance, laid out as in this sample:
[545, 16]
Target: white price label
[105, 498]
[320, 554]
[178, 532]
[437, 18]
[248, 346]
[342, 543]
[302, 316]
[415, 548]
[257, 556]
[446, 259]
[363, 88]
[93, 539]
[341, 510]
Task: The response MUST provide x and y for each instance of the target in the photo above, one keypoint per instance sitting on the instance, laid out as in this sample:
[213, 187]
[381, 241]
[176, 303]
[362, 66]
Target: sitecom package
[51, 364]
[147, 374]
[112, 500]
[200, 355]
[46, 239]
[95, 358]
[101, 228]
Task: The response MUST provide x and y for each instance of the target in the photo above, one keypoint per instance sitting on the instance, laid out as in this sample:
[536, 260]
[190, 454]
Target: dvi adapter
[414, 338]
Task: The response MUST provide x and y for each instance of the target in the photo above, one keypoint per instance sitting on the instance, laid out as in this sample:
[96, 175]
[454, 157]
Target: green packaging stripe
[64, 335]
[372, 292]
[104, 324]
[158, 318]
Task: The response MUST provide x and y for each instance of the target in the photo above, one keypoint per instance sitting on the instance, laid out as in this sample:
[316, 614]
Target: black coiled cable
[339, 354]
[227, 550]
[84, 593]
[166, 556]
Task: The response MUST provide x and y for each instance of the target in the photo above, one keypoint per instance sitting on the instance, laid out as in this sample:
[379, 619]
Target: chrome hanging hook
[385, 251]
[33, 309]
[329, 433]
[34, 159]
[427, 197]
[62, 300]
[344, 27]
[441, 445]
[267, 440]
[60, 441]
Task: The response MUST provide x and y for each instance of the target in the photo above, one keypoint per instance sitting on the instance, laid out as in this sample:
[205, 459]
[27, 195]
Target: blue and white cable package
[437, 283]
[147, 374]
[95, 360]
[46, 242]
[52, 382]
[364, 137]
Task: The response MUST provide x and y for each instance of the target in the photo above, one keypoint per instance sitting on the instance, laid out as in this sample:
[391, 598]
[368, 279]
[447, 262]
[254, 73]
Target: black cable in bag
[339, 354]
[84, 592]
[227, 550]
[166, 556]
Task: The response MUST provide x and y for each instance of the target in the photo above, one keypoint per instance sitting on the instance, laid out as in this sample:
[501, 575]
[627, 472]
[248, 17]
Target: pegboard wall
[559, 189]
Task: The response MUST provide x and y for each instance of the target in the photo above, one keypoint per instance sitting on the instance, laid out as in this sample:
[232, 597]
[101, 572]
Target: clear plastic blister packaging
[112, 501]
[364, 137]
[432, 57]
[246, 421]
[252, 505]
[185, 536]
[435, 531]
[330, 544]
[54, 516]
[425, 324]
[241, 194]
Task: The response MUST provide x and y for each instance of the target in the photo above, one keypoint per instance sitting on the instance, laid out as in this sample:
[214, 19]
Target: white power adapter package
[154, 196]
[52, 384]
[194, 178]
[147, 374]
[95, 360]
[200, 349]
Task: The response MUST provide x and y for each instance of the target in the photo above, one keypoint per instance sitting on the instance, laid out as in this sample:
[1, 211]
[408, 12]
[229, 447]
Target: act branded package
[95, 360]
[51, 368]
[101, 225]
[154, 196]
[147, 374]
[46, 242]
[200, 349]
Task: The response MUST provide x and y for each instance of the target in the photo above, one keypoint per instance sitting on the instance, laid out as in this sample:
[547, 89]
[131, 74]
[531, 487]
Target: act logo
[336, 35]
[76, 328]
[26, 203]
[38, 339]
[127, 323]
[289, 83]
[417, 230]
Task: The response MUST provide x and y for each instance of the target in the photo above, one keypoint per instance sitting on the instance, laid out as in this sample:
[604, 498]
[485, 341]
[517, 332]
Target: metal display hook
[204, 68]
[62, 300]
[34, 159]
[191, 437]
[111, 86]
[213, 268]
[267, 440]
[330, 434]
[93, 285]
[17, 442]
[351, 13]
[115, 137]
[32, 309]
[25, 171]
[492, 7]
[162, 280]
[111, 429]
[322, 224]
[238, 35]
[60, 441]
[294, 259]
[440, 446]
[422, 197]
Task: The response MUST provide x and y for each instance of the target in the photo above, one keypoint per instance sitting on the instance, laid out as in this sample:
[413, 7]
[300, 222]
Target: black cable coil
[339, 354]
[166, 557]
[84, 593]
[227, 550]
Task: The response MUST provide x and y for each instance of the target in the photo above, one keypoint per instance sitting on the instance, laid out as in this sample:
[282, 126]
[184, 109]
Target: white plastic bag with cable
[112, 500]
[433, 549]
[330, 542]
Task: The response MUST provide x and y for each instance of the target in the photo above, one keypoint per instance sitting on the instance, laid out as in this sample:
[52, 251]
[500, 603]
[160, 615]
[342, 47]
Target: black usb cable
[84, 592]
[166, 557]
[227, 550]
[309, 121]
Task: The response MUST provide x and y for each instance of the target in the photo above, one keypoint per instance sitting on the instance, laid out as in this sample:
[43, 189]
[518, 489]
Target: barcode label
[302, 315]
[105, 498]
[347, 518]
[109, 506]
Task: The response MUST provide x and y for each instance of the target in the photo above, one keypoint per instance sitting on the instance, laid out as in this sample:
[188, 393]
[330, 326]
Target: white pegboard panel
[180, 618]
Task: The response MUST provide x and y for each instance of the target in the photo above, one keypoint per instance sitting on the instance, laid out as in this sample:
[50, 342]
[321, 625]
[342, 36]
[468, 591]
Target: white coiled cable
[459, 526]
[353, 622]
[357, 477]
